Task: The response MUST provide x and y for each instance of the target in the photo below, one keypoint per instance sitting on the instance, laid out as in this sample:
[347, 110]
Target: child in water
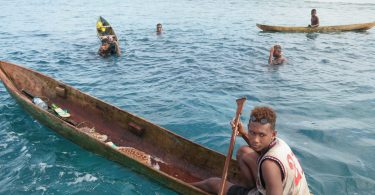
[109, 47]
[276, 56]
[159, 28]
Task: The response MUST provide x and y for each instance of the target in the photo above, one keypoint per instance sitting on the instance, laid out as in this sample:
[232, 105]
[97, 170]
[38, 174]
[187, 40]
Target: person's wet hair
[277, 47]
[264, 113]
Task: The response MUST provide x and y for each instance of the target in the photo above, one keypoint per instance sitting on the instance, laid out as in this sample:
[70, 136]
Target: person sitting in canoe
[109, 47]
[276, 56]
[314, 19]
[267, 164]
[159, 29]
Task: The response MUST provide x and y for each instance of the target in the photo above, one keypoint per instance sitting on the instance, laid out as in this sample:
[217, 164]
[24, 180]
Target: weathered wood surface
[180, 161]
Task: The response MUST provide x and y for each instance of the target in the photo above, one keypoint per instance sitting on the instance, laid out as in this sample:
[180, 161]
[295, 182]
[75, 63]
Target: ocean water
[187, 80]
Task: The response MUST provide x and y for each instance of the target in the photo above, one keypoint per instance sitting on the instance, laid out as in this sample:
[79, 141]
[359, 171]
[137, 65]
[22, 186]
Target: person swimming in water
[276, 56]
[314, 19]
[159, 29]
[109, 47]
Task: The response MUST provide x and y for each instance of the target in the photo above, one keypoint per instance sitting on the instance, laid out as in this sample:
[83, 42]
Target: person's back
[314, 19]
[293, 180]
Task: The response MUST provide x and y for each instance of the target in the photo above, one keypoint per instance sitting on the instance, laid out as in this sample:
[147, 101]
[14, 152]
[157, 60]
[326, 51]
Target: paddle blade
[240, 103]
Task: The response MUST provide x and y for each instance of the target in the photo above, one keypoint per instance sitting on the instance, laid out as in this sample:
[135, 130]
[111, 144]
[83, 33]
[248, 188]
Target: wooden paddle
[240, 103]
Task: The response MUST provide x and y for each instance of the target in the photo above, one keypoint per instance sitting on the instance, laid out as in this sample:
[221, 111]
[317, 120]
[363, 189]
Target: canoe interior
[177, 157]
[350, 27]
[109, 30]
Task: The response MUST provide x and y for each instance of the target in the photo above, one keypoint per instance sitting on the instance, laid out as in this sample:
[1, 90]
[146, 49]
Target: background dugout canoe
[103, 28]
[350, 27]
[143, 146]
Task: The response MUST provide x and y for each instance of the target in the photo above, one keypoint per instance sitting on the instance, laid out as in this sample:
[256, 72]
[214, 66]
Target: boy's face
[277, 53]
[260, 135]
[313, 13]
[158, 28]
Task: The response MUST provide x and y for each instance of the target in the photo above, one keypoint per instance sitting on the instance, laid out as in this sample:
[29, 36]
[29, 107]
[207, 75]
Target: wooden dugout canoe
[179, 161]
[350, 27]
[103, 28]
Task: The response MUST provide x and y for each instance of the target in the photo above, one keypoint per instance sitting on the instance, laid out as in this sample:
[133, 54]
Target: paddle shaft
[240, 103]
[246, 138]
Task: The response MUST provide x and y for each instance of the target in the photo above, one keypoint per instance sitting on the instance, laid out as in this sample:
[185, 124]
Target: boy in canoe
[314, 19]
[267, 164]
[109, 47]
[276, 56]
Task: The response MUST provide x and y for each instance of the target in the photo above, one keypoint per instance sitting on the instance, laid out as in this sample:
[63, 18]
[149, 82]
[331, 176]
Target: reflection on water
[312, 36]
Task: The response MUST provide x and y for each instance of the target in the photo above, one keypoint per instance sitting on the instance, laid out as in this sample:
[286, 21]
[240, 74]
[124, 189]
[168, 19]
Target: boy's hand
[272, 49]
[240, 130]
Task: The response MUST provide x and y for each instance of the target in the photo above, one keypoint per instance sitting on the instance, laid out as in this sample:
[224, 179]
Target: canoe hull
[109, 30]
[203, 156]
[87, 143]
[351, 27]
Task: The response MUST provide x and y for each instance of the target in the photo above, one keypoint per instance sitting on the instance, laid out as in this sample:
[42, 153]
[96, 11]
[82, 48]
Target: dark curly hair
[264, 112]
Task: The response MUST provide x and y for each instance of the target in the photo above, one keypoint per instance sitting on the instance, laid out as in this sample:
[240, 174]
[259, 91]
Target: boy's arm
[272, 177]
[270, 59]
[241, 131]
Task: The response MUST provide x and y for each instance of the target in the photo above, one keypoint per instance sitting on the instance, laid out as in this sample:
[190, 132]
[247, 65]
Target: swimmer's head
[159, 28]
[277, 51]
[313, 12]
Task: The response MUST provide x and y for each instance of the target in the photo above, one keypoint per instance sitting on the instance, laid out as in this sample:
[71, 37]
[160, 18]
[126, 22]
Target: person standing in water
[159, 29]
[276, 56]
[109, 47]
[314, 19]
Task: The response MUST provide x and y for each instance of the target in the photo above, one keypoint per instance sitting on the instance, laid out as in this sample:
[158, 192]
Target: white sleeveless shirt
[293, 177]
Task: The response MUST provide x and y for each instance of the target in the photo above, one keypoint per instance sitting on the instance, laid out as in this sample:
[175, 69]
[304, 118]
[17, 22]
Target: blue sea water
[187, 80]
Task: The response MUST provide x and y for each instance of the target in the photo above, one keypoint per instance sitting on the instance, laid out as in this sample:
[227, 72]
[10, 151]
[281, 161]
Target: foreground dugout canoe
[170, 159]
[350, 27]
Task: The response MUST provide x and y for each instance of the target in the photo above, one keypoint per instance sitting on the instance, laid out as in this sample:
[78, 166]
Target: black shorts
[238, 190]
